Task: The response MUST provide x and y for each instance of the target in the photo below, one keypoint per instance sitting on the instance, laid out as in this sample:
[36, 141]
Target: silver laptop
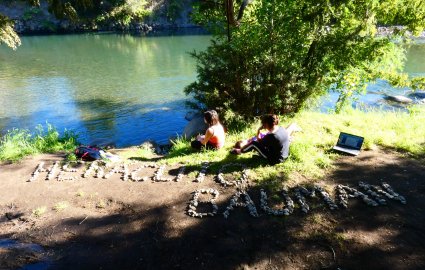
[349, 143]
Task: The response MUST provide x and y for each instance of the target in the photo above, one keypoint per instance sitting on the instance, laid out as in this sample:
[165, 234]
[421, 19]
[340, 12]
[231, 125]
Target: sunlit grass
[310, 151]
[18, 143]
[60, 206]
[39, 211]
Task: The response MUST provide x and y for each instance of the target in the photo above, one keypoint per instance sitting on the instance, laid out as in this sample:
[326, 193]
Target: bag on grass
[88, 153]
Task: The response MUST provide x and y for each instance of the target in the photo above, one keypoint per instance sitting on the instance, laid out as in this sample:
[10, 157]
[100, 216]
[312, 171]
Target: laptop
[349, 143]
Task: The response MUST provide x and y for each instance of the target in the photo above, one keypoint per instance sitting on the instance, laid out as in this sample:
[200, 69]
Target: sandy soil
[95, 223]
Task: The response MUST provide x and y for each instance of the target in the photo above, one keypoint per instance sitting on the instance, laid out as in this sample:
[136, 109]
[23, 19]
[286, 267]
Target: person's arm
[259, 132]
[208, 135]
[266, 142]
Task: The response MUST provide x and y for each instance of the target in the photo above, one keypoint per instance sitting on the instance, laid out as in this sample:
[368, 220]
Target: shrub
[285, 53]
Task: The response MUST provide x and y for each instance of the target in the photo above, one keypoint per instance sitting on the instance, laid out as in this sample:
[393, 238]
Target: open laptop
[349, 143]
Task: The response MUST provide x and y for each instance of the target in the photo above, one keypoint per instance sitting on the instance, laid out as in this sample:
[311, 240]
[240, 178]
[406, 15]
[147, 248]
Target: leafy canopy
[286, 52]
[7, 34]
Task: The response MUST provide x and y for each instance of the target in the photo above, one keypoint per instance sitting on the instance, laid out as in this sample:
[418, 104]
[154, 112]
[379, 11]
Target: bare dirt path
[114, 224]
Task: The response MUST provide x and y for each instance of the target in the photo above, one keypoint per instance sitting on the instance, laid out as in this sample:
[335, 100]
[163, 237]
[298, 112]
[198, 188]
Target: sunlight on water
[115, 89]
[112, 89]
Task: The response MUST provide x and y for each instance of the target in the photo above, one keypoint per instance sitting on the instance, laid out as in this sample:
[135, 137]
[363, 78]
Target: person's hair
[238, 144]
[211, 117]
[270, 120]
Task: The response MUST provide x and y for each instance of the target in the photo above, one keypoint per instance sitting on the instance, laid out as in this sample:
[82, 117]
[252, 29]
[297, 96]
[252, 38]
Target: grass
[310, 154]
[39, 211]
[18, 143]
[60, 206]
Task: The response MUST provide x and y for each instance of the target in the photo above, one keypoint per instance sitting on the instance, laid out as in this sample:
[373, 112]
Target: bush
[286, 53]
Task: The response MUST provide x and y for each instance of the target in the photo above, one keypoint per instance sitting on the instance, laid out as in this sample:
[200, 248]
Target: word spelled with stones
[193, 204]
[235, 202]
[371, 195]
[242, 181]
[201, 176]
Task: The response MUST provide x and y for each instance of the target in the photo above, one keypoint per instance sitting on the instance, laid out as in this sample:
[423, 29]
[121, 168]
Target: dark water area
[115, 89]
[30, 250]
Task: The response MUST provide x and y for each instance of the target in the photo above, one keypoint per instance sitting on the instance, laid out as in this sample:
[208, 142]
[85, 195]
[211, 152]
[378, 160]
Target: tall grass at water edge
[18, 143]
[310, 150]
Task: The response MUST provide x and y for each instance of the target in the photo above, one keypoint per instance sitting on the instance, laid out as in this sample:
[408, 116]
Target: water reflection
[117, 89]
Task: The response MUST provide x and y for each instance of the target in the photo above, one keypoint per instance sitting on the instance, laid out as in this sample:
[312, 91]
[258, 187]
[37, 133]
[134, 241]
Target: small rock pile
[243, 180]
[248, 202]
[201, 176]
[285, 211]
[193, 204]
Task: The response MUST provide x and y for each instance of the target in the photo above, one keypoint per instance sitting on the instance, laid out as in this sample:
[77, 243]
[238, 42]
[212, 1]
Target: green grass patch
[60, 206]
[310, 151]
[18, 143]
[39, 211]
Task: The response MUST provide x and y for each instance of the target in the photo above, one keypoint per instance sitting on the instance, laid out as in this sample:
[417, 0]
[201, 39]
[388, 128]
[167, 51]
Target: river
[114, 89]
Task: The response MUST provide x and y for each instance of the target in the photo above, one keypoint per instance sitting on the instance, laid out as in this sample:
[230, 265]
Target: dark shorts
[256, 146]
[198, 145]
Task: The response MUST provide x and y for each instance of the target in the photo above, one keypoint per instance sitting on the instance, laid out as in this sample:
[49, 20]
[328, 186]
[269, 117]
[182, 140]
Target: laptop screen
[350, 141]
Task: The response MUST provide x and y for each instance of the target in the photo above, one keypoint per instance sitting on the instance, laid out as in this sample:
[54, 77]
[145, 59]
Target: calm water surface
[111, 89]
[115, 89]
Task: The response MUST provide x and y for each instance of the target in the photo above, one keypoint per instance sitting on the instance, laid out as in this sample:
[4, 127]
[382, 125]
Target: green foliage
[70, 9]
[18, 143]
[286, 53]
[31, 13]
[309, 150]
[126, 12]
[7, 35]
[174, 8]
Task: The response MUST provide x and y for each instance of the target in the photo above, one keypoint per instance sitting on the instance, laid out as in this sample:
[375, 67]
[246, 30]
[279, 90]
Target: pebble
[201, 176]
[195, 202]
[248, 203]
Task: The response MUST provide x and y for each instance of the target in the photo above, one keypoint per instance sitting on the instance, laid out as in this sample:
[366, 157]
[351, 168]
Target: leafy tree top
[285, 52]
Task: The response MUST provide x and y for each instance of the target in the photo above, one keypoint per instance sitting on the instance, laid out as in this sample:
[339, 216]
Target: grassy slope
[310, 153]
[17, 143]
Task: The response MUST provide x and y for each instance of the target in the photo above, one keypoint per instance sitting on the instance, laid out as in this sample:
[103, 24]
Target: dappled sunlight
[110, 223]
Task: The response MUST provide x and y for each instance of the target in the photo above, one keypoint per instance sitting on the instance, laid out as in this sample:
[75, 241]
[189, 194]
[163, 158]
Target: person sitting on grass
[215, 135]
[274, 145]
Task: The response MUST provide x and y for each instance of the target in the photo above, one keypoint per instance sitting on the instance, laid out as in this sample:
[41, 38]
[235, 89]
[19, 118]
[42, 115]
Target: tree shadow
[143, 236]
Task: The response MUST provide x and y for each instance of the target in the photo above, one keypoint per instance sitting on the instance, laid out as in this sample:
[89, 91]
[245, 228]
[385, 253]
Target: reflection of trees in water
[98, 114]
[416, 59]
[127, 123]
[31, 101]
[108, 66]
[100, 77]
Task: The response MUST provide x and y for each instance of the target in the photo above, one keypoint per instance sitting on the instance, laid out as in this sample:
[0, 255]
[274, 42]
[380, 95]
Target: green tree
[7, 34]
[286, 52]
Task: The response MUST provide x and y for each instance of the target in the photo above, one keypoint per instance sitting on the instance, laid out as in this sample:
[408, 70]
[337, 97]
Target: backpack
[88, 153]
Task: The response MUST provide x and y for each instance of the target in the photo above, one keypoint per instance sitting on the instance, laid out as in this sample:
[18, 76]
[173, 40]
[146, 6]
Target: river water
[114, 89]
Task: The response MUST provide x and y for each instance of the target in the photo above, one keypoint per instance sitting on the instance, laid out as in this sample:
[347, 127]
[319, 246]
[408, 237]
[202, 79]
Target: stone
[191, 115]
[399, 99]
[194, 127]
[417, 95]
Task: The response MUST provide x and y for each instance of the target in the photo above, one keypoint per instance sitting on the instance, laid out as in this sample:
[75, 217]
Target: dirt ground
[95, 223]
